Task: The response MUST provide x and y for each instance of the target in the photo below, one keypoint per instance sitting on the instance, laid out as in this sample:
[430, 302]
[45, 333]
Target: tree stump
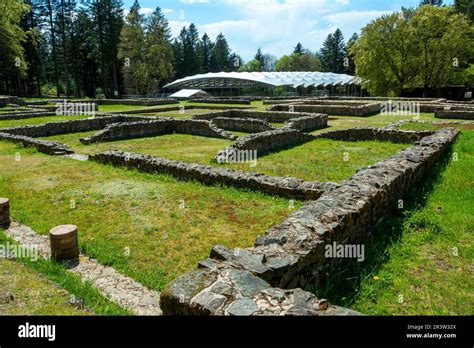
[4, 212]
[64, 244]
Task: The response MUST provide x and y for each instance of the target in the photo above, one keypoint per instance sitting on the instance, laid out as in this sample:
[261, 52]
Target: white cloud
[177, 26]
[275, 26]
[352, 20]
[278, 25]
[143, 11]
[146, 10]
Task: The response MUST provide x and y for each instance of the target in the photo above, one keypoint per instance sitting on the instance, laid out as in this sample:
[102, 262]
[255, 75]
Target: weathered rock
[336, 108]
[246, 125]
[292, 254]
[226, 290]
[44, 146]
[155, 127]
[242, 307]
[295, 188]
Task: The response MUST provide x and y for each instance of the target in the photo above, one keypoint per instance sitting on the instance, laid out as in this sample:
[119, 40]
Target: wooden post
[4, 212]
[64, 244]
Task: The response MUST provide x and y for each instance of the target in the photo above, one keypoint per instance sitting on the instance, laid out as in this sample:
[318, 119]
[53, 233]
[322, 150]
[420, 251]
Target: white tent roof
[187, 93]
[249, 79]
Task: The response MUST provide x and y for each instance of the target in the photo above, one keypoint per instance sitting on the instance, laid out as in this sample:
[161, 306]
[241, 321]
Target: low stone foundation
[462, 113]
[245, 125]
[221, 101]
[278, 186]
[355, 109]
[271, 117]
[266, 142]
[441, 124]
[136, 102]
[47, 147]
[177, 108]
[20, 115]
[66, 127]
[226, 290]
[285, 137]
[162, 126]
[292, 254]
[8, 99]
[377, 134]
[301, 100]
[308, 123]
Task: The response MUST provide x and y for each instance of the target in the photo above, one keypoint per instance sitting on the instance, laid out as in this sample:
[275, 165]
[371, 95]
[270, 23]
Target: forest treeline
[96, 48]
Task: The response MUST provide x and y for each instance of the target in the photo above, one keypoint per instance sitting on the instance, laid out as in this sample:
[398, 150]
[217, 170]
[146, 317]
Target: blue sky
[274, 25]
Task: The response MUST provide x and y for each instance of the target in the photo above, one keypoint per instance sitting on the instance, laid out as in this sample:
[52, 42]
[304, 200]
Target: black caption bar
[136, 331]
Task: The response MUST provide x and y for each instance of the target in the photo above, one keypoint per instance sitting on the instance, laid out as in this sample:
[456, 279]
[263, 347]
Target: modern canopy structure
[224, 80]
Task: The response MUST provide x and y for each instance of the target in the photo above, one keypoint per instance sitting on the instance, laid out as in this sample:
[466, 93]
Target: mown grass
[31, 293]
[186, 113]
[166, 225]
[420, 263]
[121, 107]
[182, 147]
[379, 120]
[43, 287]
[432, 127]
[322, 159]
[38, 120]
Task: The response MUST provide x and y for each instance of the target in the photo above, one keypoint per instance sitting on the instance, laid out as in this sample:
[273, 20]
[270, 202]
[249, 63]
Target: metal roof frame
[262, 79]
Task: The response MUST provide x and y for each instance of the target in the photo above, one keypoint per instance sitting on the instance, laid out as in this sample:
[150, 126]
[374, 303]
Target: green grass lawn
[323, 159]
[167, 225]
[420, 263]
[379, 120]
[182, 147]
[38, 120]
[121, 107]
[27, 292]
[10, 109]
[430, 126]
[187, 113]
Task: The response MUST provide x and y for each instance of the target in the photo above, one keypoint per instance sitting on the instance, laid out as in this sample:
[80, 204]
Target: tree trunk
[63, 33]
[53, 42]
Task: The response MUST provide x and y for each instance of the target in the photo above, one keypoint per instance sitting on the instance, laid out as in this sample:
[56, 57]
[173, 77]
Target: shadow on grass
[343, 281]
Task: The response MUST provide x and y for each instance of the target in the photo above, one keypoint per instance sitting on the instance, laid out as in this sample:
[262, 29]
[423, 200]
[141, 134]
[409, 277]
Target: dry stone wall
[221, 101]
[285, 100]
[162, 126]
[450, 112]
[176, 108]
[230, 291]
[285, 137]
[292, 255]
[66, 127]
[47, 147]
[308, 123]
[24, 114]
[356, 109]
[272, 117]
[246, 125]
[136, 102]
[369, 134]
[8, 99]
[265, 142]
[285, 187]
